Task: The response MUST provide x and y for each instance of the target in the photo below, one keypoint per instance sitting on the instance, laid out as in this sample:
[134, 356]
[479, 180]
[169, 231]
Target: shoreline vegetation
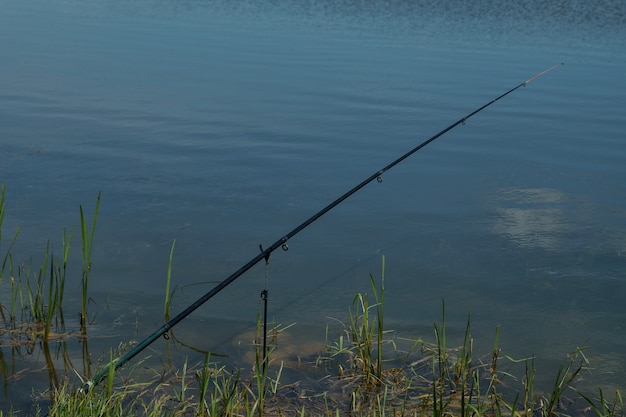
[361, 369]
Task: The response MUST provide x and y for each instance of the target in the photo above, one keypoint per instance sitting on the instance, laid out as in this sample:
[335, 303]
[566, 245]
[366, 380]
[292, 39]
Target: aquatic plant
[7, 256]
[7, 261]
[368, 372]
[32, 312]
[87, 246]
[168, 295]
[428, 385]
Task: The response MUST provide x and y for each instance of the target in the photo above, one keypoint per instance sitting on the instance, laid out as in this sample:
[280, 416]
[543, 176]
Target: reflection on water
[532, 217]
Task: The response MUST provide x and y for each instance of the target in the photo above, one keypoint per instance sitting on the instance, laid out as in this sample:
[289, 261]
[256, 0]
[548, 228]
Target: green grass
[426, 385]
[34, 309]
[369, 370]
[7, 257]
[168, 295]
[87, 246]
[31, 308]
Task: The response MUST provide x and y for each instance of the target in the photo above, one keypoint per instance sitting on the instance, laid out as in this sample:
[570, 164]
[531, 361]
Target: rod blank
[283, 240]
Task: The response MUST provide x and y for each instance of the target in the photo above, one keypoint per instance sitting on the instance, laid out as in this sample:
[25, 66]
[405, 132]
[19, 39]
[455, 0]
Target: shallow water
[225, 126]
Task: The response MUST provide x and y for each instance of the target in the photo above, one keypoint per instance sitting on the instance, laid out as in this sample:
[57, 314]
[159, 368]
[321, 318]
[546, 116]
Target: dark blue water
[224, 126]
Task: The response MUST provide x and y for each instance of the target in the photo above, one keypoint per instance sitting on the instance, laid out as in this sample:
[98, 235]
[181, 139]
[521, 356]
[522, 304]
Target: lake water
[224, 125]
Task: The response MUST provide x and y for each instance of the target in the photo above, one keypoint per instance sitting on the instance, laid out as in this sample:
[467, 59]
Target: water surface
[224, 126]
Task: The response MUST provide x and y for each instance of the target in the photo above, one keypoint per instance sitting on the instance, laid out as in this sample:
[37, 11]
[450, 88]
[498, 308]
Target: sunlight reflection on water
[532, 218]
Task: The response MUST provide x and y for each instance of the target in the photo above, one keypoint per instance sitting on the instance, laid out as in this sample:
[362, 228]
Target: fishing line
[282, 242]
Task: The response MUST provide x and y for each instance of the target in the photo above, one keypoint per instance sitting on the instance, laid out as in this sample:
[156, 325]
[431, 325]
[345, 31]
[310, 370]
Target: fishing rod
[282, 242]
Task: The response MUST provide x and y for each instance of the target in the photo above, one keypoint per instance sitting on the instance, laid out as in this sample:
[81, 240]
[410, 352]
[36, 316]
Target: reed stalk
[36, 288]
[367, 334]
[7, 256]
[528, 403]
[440, 366]
[61, 265]
[87, 246]
[168, 295]
[15, 295]
[380, 314]
[53, 301]
[603, 407]
[567, 373]
[203, 378]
